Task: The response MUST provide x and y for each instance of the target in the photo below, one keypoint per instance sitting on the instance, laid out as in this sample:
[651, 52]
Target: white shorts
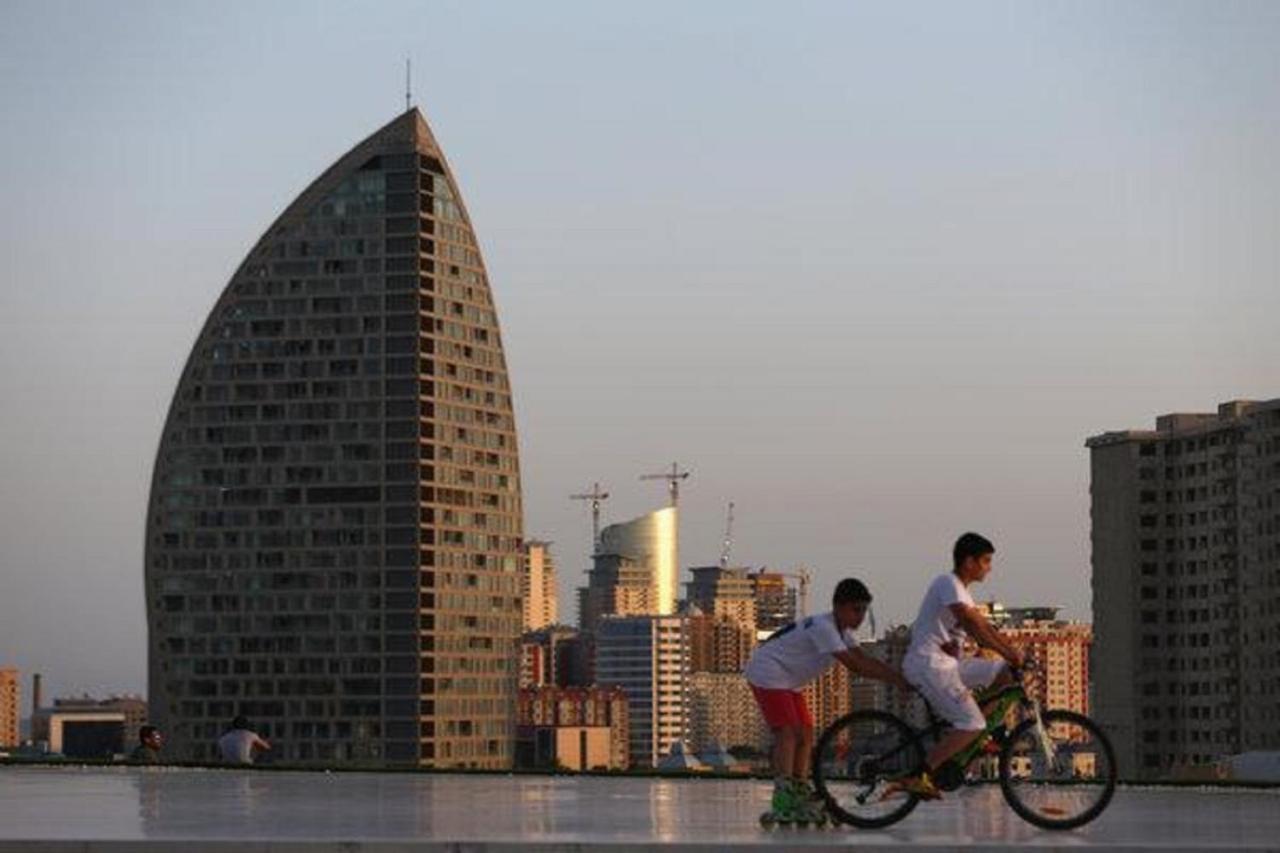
[947, 685]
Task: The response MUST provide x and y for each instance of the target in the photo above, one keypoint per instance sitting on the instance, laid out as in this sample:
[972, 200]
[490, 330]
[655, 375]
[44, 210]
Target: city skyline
[872, 309]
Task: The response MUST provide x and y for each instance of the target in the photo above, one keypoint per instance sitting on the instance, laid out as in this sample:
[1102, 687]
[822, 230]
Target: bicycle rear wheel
[855, 761]
[1061, 780]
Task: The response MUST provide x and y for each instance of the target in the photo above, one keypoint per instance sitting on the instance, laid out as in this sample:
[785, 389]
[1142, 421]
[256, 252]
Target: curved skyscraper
[634, 571]
[334, 527]
[649, 540]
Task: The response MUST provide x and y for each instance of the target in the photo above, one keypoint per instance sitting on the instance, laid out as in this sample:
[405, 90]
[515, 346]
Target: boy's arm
[972, 620]
[864, 664]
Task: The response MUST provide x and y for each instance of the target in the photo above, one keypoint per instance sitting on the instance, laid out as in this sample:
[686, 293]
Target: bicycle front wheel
[1060, 774]
[857, 760]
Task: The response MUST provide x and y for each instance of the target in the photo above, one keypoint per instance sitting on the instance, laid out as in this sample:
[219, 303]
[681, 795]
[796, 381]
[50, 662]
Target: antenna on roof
[408, 90]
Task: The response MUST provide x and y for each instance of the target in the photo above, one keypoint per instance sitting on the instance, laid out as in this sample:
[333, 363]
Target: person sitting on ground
[148, 749]
[240, 744]
[936, 666]
[783, 664]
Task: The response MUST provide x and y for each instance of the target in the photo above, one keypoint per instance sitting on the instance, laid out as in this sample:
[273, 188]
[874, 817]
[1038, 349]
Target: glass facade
[333, 535]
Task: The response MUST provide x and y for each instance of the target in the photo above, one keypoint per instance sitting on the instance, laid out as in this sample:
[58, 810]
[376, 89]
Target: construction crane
[673, 478]
[596, 497]
[728, 538]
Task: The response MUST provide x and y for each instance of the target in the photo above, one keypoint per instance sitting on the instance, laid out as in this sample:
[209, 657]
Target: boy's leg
[951, 700]
[952, 742]
[985, 675]
[963, 712]
[777, 707]
[784, 751]
[803, 753]
[806, 801]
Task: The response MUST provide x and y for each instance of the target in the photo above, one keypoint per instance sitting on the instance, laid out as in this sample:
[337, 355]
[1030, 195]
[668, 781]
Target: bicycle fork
[1042, 737]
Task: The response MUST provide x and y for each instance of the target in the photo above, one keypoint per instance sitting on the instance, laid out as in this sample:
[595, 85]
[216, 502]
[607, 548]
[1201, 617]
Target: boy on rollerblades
[782, 665]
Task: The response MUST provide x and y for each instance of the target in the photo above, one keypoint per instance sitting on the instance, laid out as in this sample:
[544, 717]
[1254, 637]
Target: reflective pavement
[158, 809]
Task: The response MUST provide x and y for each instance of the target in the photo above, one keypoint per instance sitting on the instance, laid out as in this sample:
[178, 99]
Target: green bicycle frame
[1005, 700]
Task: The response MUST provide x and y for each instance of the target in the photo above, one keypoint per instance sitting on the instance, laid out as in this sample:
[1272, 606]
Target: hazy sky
[874, 272]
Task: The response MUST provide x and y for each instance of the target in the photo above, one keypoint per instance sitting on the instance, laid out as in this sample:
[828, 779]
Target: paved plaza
[158, 810]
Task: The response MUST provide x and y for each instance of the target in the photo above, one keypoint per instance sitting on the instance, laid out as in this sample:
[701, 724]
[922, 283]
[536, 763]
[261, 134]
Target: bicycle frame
[1005, 700]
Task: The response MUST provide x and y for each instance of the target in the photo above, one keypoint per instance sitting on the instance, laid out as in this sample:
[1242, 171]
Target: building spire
[408, 86]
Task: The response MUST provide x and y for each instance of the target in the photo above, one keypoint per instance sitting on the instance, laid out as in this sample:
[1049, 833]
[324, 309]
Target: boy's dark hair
[970, 545]
[851, 590]
[146, 732]
[240, 722]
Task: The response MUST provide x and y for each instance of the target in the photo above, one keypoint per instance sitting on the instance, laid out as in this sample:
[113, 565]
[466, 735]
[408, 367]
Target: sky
[874, 272]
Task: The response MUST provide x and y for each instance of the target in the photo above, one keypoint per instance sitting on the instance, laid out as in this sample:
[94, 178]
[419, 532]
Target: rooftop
[158, 810]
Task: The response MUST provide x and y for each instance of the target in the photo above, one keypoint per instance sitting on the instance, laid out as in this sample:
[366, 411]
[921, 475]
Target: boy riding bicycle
[936, 666]
[782, 665]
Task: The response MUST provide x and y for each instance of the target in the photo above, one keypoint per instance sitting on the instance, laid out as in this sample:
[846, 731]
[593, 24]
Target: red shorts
[782, 708]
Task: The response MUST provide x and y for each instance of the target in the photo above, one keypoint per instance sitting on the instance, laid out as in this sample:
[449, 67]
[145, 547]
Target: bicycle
[1056, 768]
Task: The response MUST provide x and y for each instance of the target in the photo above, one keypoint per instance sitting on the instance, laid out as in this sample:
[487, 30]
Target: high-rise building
[723, 592]
[10, 709]
[718, 643]
[1186, 576]
[538, 586]
[721, 607]
[551, 657]
[723, 712]
[1059, 648]
[634, 572]
[775, 601]
[648, 657]
[830, 695]
[869, 693]
[334, 527]
[579, 728]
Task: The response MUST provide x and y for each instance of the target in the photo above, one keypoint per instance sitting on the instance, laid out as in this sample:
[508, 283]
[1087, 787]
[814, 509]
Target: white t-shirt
[236, 746]
[936, 625]
[797, 654]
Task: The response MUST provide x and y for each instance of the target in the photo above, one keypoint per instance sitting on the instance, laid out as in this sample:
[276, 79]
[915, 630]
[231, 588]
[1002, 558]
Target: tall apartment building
[721, 606]
[722, 591]
[891, 648]
[1059, 647]
[723, 712]
[775, 601]
[829, 696]
[1186, 586]
[718, 643]
[334, 526]
[648, 657]
[538, 586]
[10, 709]
[634, 572]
